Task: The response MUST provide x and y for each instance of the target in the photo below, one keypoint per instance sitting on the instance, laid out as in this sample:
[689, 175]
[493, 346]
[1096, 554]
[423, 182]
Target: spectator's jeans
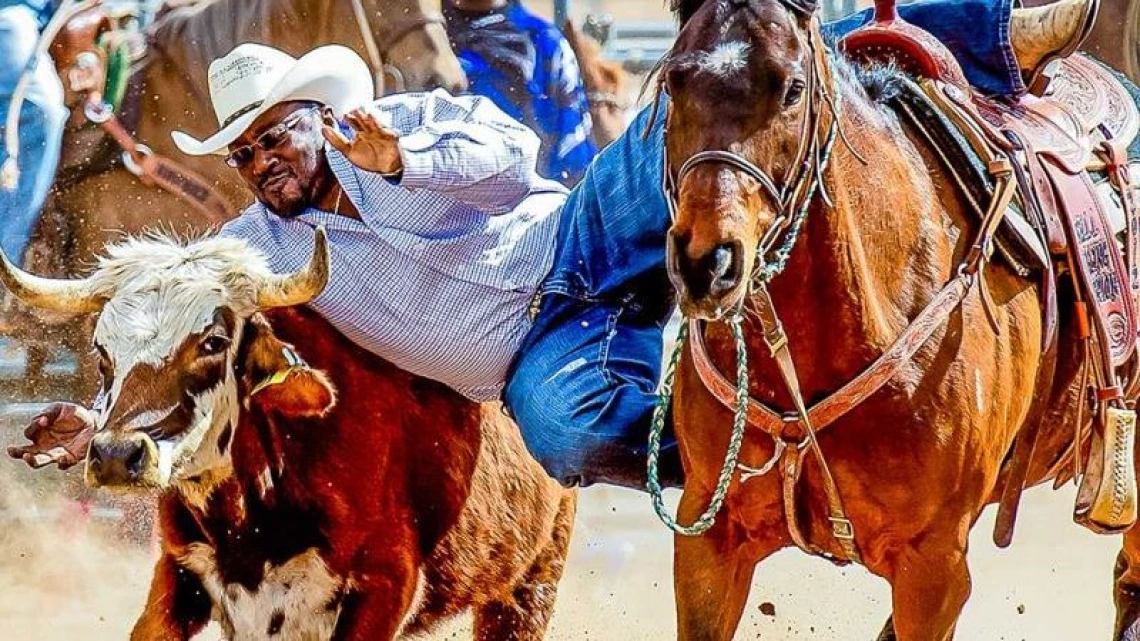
[584, 383]
[42, 118]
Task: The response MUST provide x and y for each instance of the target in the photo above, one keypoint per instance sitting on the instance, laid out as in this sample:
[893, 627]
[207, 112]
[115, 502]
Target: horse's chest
[297, 600]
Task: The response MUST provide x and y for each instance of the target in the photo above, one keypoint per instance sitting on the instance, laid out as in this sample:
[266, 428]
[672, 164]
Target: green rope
[708, 518]
[118, 70]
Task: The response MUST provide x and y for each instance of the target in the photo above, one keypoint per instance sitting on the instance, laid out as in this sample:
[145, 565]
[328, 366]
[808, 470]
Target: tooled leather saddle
[1073, 213]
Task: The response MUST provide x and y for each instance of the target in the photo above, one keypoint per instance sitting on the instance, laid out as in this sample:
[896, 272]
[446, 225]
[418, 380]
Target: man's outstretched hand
[60, 434]
[373, 148]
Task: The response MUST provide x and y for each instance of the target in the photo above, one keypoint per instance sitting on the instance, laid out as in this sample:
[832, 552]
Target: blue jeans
[42, 118]
[584, 383]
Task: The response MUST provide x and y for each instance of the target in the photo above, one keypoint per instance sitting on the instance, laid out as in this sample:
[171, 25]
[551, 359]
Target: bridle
[402, 28]
[792, 200]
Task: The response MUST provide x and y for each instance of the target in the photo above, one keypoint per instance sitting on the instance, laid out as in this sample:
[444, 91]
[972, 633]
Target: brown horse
[753, 93]
[96, 200]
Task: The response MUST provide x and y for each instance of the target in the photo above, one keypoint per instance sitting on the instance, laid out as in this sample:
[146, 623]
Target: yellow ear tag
[276, 378]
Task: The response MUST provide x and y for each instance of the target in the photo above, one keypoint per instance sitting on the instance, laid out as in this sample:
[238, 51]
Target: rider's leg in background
[975, 31]
[42, 119]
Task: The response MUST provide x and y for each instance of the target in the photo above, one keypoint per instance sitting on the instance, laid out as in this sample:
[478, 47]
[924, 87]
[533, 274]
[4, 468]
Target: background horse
[916, 461]
[607, 86]
[96, 200]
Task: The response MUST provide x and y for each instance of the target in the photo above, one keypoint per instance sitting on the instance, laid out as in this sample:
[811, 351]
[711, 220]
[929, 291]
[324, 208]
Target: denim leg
[42, 118]
[583, 392]
[975, 31]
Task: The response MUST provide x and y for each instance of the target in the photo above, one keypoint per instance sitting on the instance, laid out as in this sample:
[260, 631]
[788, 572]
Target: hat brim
[332, 75]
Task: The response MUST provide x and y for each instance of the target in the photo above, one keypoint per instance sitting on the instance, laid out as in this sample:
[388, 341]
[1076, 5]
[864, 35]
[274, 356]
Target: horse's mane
[684, 9]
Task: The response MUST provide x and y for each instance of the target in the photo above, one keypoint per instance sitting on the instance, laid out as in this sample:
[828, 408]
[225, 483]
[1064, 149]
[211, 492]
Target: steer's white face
[171, 319]
[167, 340]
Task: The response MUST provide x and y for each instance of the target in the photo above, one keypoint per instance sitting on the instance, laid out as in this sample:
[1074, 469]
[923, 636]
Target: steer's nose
[712, 274]
[118, 459]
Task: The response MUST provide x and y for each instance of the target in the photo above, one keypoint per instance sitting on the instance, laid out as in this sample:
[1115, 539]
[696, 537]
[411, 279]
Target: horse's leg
[1126, 588]
[712, 574]
[929, 585]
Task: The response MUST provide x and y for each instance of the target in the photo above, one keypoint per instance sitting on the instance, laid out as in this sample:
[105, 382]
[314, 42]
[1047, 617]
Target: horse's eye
[214, 345]
[794, 93]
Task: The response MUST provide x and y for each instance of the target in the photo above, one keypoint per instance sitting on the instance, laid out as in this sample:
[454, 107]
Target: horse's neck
[865, 266]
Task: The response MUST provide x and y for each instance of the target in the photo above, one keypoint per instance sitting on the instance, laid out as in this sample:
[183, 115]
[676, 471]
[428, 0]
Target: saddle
[1057, 168]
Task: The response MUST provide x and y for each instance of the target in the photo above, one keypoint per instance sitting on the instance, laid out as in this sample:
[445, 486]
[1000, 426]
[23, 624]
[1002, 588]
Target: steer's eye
[215, 344]
[106, 372]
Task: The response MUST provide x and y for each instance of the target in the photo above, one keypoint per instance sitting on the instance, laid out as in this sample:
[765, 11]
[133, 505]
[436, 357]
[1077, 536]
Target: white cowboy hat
[252, 78]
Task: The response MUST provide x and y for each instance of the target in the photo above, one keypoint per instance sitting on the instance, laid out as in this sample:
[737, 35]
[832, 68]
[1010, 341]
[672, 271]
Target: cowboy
[442, 235]
[524, 65]
[40, 113]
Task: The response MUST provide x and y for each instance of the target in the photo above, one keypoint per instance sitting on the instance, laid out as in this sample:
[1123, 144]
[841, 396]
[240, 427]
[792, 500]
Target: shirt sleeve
[463, 146]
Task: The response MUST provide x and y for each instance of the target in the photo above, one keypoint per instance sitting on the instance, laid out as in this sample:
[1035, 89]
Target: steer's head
[170, 330]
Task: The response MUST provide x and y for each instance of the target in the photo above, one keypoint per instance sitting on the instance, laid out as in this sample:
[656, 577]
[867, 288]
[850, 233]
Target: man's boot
[1043, 35]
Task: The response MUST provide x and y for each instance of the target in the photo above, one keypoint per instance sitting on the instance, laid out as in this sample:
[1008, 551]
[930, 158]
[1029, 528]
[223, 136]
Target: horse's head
[413, 43]
[742, 142]
[178, 338]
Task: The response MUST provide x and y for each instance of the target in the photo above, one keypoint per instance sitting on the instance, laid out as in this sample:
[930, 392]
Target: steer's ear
[274, 376]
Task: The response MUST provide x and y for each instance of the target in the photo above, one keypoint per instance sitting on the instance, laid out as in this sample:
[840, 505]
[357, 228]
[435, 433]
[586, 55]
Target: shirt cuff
[417, 160]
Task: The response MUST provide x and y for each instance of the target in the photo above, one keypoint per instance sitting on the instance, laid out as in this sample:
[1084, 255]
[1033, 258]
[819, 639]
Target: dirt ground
[66, 574]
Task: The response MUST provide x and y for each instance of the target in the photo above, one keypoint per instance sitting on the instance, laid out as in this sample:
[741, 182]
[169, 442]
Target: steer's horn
[72, 296]
[294, 289]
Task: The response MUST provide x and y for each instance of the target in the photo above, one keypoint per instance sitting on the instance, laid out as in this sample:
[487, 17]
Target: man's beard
[288, 200]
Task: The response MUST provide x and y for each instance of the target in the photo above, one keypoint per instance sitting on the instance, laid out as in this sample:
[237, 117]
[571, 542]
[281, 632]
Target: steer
[311, 490]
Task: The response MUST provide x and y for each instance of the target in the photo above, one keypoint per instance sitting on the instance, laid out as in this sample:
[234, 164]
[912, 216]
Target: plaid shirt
[438, 275]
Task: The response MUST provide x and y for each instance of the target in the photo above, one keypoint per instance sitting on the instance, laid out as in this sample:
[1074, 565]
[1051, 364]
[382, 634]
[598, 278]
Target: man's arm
[462, 146]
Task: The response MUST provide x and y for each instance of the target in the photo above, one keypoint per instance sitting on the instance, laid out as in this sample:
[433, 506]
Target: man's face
[281, 157]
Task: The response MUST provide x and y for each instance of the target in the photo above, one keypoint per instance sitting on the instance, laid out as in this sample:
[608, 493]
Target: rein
[377, 52]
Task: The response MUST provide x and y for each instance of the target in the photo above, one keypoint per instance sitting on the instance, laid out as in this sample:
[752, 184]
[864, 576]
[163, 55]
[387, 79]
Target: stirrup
[1106, 501]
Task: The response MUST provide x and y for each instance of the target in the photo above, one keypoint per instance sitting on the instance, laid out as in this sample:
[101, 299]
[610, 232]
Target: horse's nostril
[723, 259]
[726, 265]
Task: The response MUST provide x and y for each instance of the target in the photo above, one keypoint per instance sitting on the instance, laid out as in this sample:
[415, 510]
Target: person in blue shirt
[41, 120]
[524, 65]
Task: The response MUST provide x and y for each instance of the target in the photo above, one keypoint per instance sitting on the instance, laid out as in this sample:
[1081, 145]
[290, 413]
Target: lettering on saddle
[1074, 202]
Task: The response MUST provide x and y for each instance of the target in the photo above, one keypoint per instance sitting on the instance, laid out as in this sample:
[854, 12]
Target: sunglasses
[269, 140]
